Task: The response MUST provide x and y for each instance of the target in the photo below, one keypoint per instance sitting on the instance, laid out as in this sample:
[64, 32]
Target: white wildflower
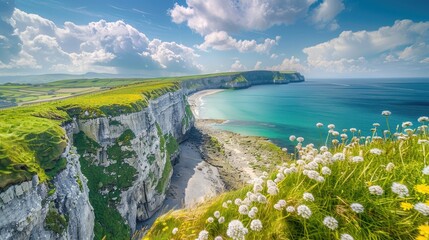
[290, 209]
[251, 214]
[236, 230]
[229, 201]
[376, 190]
[330, 222]
[282, 203]
[237, 201]
[422, 208]
[338, 157]
[407, 124]
[320, 179]
[257, 188]
[273, 190]
[210, 219]
[353, 130]
[218, 238]
[312, 174]
[376, 125]
[331, 126]
[280, 176]
[308, 197]
[203, 235]
[225, 205]
[216, 214]
[304, 211]
[300, 139]
[343, 136]
[346, 236]
[357, 159]
[312, 165]
[262, 198]
[256, 225]
[292, 138]
[243, 209]
[400, 189]
[423, 119]
[390, 166]
[221, 220]
[175, 230]
[376, 151]
[425, 170]
[335, 133]
[386, 113]
[277, 207]
[326, 171]
[293, 169]
[357, 207]
[319, 125]
[300, 162]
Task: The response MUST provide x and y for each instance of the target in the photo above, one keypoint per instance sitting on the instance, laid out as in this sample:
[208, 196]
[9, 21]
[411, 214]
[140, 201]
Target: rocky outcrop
[61, 211]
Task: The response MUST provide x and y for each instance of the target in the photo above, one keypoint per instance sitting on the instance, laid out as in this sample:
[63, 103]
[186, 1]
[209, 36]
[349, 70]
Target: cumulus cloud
[237, 66]
[222, 41]
[290, 64]
[324, 15]
[97, 46]
[257, 65]
[405, 40]
[236, 15]
[10, 43]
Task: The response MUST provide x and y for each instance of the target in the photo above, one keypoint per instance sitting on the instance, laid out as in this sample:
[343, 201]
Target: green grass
[384, 216]
[55, 221]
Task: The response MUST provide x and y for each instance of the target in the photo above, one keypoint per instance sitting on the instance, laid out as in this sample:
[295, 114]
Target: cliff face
[32, 211]
[118, 168]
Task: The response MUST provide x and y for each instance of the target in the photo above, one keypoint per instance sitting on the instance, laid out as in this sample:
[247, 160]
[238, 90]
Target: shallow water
[277, 111]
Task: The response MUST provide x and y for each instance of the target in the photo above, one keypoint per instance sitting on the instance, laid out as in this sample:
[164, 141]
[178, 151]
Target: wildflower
[406, 206]
[225, 205]
[256, 225]
[346, 236]
[357, 207]
[175, 230]
[376, 190]
[331, 126]
[323, 148]
[390, 166]
[326, 171]
[216, 214]
[424, 230]
[407, 124]
[386, 113]
[272, 190]
[251, 214]
[300, 139]
[312, 165]
[376, 125]
[290, 209]
[357, 159]
[330, 222]
[353, 130]
[304, 211]
[422, 208]
[319, 125]
[280, 176]
[221, 220]
[292, 138]
[308, 197]
[425, 170]
[400, 189]
[262, 198]
[422, 188]
[335, 133]
[282, 203]
[423, 119]
[236, 230]
[343, 136]
[229, 201]
[320, 179]
[203, 235]
[243, 209]
[338, 157]
[218, 238]
[257, 188]
[376, 151]
[277, 207]
[210, 220]
[237, 201]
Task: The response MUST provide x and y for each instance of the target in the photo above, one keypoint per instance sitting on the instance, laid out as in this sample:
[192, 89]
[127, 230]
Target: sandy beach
[196, 102]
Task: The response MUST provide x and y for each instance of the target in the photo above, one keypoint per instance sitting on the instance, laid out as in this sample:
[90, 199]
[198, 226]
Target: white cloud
[97, 46]
[257, 65]
[237, 66]
[222, 41]
[290, 64]
[236, 15]
[324, 15]
[360, 51]
[274, 56]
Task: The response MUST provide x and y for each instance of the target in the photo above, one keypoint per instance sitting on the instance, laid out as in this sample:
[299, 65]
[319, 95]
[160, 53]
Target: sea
[278, 111]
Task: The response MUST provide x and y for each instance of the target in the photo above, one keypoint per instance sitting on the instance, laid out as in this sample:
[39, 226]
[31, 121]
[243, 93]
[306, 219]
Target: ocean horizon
[278, 111]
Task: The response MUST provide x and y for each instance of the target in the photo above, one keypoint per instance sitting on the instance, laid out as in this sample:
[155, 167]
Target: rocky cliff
[117, 168]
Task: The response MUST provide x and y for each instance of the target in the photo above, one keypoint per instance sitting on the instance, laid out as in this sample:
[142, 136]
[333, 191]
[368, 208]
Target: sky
[318, 38]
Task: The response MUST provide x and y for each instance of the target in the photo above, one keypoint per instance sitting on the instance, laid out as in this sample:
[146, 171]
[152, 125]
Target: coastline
[195, 100]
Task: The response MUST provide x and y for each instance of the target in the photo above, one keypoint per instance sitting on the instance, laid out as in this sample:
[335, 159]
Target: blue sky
[325, 38]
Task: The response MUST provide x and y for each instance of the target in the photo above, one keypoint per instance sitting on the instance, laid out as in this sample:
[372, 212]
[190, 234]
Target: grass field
[361, 187]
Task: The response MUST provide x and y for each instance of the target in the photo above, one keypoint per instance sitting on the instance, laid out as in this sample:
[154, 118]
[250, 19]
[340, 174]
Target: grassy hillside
[372, 187]
[31, 139]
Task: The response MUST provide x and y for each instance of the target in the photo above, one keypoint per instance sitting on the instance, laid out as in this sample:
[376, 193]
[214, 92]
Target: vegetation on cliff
[361, 187]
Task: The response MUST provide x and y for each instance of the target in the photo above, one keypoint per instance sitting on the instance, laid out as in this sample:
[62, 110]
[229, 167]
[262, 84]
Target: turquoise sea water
[278, 111]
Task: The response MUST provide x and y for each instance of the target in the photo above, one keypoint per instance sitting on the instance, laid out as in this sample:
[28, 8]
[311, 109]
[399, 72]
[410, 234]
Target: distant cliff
[117, 166]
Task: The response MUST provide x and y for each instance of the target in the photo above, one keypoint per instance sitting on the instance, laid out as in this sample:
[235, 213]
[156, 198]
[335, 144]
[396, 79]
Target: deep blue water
[277, 111]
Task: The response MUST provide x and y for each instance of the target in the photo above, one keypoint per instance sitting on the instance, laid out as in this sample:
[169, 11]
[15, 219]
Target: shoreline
[195, 100]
